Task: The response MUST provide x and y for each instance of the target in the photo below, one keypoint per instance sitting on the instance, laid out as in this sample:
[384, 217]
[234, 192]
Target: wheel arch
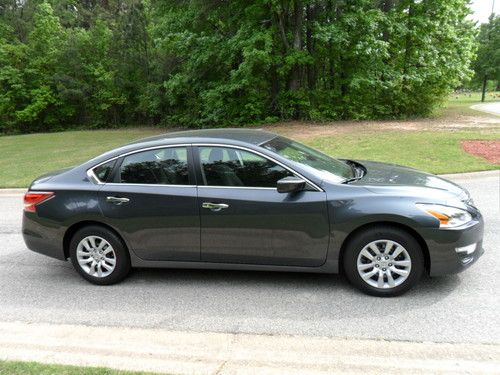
[70, 232]
[393, 224]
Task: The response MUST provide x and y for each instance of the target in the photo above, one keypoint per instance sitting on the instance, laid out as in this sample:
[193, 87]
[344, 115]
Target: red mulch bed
[489, 150]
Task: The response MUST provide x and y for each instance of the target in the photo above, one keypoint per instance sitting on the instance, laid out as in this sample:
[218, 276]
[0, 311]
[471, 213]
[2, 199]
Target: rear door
[245, 220]
[152, 201]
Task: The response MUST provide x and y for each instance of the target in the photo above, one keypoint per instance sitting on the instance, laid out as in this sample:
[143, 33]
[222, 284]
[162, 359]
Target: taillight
[31, 199]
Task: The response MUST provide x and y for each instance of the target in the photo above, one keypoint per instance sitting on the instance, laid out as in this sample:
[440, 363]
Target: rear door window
[166, 166]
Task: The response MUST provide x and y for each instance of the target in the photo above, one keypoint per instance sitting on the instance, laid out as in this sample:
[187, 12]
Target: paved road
[492, 108]
[461, 308]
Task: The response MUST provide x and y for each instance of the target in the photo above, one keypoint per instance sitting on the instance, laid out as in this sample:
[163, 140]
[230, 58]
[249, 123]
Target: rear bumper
[42, 239]
[443, 245]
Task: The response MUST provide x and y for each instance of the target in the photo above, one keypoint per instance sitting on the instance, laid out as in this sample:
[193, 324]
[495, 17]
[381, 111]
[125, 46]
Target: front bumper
[442, 245]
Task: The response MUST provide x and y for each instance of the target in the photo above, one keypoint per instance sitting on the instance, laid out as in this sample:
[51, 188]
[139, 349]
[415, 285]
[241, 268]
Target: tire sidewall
[357, 244]
[122, 266]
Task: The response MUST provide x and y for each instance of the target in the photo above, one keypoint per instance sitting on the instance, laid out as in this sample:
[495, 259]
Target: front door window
[224, 166]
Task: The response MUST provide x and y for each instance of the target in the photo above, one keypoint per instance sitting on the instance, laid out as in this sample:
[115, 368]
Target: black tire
[362, 239]
[122, 257]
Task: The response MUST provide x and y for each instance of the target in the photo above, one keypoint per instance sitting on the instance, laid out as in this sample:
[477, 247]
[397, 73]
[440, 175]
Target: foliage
[197, 63]
[487, 64]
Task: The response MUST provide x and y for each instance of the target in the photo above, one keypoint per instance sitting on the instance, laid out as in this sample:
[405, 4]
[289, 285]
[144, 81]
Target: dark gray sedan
[251, 200]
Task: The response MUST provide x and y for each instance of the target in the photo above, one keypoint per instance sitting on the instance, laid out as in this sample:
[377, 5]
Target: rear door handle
[117, 200]
[214, 206]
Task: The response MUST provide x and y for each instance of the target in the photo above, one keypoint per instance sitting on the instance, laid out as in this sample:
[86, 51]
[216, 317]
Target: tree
[28, 95]
[197, 63]
[487, 64]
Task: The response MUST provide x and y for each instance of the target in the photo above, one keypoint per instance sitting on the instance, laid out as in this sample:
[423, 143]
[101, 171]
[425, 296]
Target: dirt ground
[450, 122]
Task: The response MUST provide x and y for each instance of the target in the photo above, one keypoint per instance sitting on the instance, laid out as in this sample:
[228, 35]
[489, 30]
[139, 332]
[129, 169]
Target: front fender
[348, 215]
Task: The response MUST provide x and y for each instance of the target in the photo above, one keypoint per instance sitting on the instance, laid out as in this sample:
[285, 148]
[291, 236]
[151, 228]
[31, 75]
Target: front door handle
[117, 200]
[214, 206]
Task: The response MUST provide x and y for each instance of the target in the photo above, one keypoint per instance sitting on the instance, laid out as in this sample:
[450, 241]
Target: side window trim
[194, 166]
[115, 176]
[197, 167]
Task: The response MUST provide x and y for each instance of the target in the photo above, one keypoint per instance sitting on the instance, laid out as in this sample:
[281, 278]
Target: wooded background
[200, 63]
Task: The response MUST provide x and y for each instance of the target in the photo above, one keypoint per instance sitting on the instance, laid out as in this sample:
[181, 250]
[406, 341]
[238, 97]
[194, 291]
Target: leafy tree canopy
[197, 63]
[487, 65]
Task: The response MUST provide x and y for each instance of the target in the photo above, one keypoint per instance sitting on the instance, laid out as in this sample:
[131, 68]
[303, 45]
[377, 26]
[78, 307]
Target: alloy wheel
[96, 256]
[384, 264]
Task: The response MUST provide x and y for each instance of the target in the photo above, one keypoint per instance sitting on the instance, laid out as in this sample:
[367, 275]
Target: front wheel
[383, 261]
[99, 255]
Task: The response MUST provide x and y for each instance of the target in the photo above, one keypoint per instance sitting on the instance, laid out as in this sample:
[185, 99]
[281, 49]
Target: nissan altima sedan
[251, 200]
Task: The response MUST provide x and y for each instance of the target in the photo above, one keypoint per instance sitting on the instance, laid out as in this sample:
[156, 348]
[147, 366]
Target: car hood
[383, 177]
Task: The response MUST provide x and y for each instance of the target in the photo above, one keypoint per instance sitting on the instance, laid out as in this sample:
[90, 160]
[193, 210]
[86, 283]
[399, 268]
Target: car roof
[252, 136]
[227, 136]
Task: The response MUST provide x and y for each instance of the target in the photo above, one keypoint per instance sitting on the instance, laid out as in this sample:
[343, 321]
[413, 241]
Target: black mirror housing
[291, 185]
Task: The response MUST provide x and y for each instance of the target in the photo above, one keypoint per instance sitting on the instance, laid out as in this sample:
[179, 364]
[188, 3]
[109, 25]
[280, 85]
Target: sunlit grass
[431, 151]
[36, 368]
[24, 157]
[460, 103]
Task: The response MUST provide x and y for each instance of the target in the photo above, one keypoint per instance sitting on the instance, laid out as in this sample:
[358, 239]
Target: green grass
[460, 103]
[24, 157]
[28, 156]
[35, 368]
[431, 151]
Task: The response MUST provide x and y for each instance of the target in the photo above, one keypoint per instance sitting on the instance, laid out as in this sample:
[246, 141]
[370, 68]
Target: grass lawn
[432, 151]
[35, 368]
[24, 157]
[460, 103]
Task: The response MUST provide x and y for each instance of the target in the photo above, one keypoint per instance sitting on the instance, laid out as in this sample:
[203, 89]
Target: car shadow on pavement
[266, 278]
[434, 288]
[242, 293]
[330, 286]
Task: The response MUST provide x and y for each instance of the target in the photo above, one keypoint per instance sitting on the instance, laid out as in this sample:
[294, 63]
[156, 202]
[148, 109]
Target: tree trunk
[485, 82]
[386, 7]
[408, 48]
[311, 68]
[275, 89]
[297, 44]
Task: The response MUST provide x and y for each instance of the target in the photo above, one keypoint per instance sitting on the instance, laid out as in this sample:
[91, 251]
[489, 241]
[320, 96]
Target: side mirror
[291, 185]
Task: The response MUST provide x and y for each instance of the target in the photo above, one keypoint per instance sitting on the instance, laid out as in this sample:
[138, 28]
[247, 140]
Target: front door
[244, 219]
[152, 201]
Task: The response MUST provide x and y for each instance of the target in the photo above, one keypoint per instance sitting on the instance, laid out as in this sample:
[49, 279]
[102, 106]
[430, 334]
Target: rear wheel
[383, 261]
[99, 255]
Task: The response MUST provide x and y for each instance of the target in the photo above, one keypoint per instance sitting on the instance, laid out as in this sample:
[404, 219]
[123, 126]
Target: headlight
[449, 217]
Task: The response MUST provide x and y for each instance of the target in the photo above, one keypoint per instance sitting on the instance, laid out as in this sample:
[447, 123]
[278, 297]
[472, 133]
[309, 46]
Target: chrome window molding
[151, 185]
[94, 179]
[236, 187]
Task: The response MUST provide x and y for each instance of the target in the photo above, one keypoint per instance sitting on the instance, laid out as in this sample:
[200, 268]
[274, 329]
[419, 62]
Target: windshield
[329, 169]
